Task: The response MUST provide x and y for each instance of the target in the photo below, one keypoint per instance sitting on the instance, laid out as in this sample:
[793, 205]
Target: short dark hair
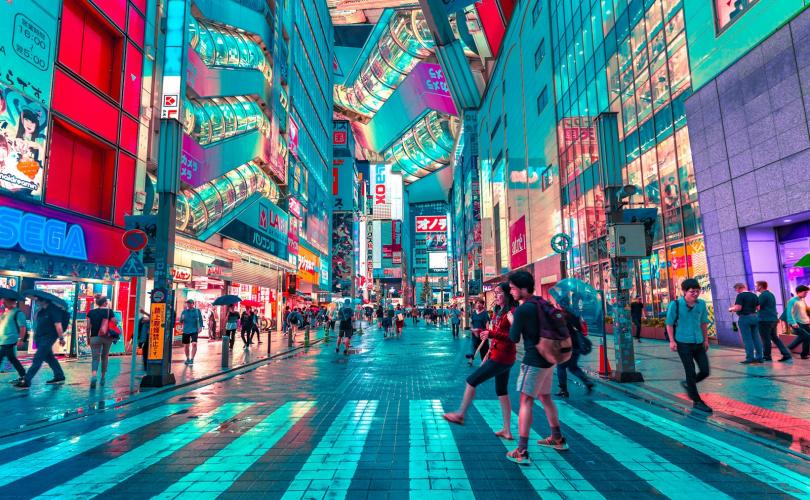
[690, 284]
[762, 284]
[101, 300]
[802, 288]
[522, 280]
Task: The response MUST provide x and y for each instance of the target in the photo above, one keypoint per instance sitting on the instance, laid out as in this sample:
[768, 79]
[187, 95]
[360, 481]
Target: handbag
[109, 327]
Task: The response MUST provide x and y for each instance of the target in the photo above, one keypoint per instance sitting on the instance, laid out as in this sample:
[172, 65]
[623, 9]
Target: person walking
[380, 315]
[256, 330]
[212, 325]
[246, 322]
[143, 337]
[799, 321]
[399, 320]
[296, 321]
[231, 324]
[50, 323]
[578, 330]
[687, 324]
[768, 318]
[636, 313]
[455, 321]
[415, 315]
[346, 328]
[192, 321]
[13, 331]
[479, 320]
[502, 355]
[101, 321]
[536, 373]
[746, 306]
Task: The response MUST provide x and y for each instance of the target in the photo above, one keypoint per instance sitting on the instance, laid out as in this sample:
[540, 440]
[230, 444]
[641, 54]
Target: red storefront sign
[431, 223]
[518, 253]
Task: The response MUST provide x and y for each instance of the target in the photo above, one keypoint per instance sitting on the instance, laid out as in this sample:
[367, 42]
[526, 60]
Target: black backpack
[555, 340]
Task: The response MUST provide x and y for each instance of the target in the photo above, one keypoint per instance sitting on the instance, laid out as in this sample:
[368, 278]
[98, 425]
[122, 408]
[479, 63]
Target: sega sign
[39, 234]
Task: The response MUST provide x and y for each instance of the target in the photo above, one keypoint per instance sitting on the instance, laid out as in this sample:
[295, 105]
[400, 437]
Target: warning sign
[157, 321]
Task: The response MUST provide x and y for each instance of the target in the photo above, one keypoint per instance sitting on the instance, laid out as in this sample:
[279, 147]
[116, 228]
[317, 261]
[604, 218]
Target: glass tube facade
[213, 119]
[425, 148]
[630, 57]
[225, 47]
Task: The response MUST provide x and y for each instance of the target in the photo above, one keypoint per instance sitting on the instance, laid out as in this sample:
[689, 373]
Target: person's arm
[791, 318]
[737, 304]
[516, 328]
[23, 328]
[59, 332]
[704, 326]
[671, 325]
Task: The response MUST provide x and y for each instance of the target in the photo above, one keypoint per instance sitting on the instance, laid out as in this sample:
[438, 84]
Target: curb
[720, 419]
[119, 401]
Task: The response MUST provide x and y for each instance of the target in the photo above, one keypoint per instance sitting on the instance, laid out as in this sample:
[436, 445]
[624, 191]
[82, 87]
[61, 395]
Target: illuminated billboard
[431, 223]
[437, 261]
[386, 191]
[23, 134]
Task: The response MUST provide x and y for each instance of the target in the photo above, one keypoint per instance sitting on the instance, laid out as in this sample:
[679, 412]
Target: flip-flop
[502, 435]
[453, 420]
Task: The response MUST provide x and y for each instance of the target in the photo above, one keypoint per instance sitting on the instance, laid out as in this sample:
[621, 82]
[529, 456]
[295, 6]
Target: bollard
[290, 336]
[226, 348]
[269, 340]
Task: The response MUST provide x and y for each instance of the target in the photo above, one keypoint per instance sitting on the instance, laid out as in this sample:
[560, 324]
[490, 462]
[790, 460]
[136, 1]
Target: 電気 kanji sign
[431, 223]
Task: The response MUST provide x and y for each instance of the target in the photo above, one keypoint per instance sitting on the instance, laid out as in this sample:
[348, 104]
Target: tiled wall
[751, 150]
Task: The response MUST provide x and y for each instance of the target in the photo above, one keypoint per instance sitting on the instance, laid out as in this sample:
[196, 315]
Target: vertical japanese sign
[157, 319]
[173, 86]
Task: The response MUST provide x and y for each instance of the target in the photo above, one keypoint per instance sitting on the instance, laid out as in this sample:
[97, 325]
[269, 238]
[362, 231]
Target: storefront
[68, 256]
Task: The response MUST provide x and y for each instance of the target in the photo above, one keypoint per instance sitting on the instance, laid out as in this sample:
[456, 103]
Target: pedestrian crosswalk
[317, 451]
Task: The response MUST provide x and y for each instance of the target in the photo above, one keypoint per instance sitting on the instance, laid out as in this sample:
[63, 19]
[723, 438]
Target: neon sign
[38, 234]
[379, 185]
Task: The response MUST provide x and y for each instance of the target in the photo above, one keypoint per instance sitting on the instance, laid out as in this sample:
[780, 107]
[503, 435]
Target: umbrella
[226, 300]
[251, 303]
[803, 262]
[8, 293]
[40, 294]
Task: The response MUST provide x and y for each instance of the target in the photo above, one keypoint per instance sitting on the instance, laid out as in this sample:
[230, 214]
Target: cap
[190, 301]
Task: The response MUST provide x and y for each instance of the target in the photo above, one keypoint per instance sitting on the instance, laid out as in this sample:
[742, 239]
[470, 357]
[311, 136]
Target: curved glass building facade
[425, 148]
[217, 118]
[220, 46]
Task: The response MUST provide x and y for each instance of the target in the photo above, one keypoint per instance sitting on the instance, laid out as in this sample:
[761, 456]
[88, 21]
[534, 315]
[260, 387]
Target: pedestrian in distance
[415, 315]
[49, 327]
[399, 320]
[578, 330]
[212, 326]
[246, 322]
[768, 319]
[143, 337]
[479, 321]
[799, 321]
[455, 321]
[100, 338]
[192, 321]
[231, 324]
[346, 316]
[536, 372]
[746, 305]
[296, 321]
[687, 324]
[380, 316]
[388, 322]
[13, 332]
[502, 355]
[256, 330]
[636, 313]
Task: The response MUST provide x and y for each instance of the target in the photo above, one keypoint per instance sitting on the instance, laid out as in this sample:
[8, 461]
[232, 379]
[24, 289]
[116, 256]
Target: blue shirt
[10, 323]
[479, 319]
[192, 320]
[455, 316]
[689, 328]
[767, 307]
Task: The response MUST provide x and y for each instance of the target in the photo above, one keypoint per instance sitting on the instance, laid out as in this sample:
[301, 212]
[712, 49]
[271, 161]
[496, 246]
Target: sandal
[505, 435]
[453, 419]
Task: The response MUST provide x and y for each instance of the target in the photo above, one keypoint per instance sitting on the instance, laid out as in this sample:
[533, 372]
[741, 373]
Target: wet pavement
[321, 424]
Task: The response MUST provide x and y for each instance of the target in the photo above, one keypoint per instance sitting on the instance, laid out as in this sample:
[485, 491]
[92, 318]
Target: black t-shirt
[635, 309]
[749, 302]
[96, 316]
[46, 324]
[526, 324]
[247, 320]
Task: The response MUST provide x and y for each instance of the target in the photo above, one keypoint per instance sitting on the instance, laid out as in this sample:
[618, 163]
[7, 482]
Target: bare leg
[525, 416]
[506, 412]
[193, 350]
[185, 349]
[551, 410]
[469, 395]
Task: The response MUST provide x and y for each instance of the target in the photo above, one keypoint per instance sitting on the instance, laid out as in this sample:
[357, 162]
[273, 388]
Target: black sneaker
[767, 359]
[562, 394]
[55, 381]
[22, 384]
[786, 359]
[684, 385]
[701, 406]
[747, 362]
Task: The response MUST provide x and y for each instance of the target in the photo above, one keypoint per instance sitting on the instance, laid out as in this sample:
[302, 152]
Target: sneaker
[562, 394]
[805, 356]
[185, 362]
[55, 381]
[190, 362]
[701, 406]
[22, 384]
[767, 359]
[337, 349]
[93, 383]
[519, 456]
[557, 444]
[786, 359]
[756, 362]
[102, 381]
[345, 352]
[747, 362]
[589, 388]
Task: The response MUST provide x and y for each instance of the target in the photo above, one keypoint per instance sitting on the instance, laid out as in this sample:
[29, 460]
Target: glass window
[654, 19]
[660, 87]
[539, 54]
[657, 48]
[669, 7]
[629, 113]
[679, 71]
[639, 39]
[674, 27]
[643, 98]
[542, 100]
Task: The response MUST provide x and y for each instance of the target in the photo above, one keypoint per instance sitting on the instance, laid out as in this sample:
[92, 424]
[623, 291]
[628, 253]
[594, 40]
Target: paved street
[323, 425]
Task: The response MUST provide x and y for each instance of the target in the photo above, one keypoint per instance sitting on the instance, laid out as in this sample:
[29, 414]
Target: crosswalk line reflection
[761, 469]
[329, 470]
[435, 468]
[22, 441]
[218, 473]
[100, 479]
[657, 471]
[549, 472]
[35, 462]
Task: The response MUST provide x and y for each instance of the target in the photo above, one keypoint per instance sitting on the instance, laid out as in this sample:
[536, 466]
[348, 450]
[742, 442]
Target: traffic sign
[135, 240]
[133, 266]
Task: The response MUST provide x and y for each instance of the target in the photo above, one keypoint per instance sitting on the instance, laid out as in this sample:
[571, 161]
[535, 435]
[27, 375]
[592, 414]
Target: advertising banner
[343, 183]
[27, 46]
[342, 252]
[264, 226]
[436, 241]
[431, 223]
[727, 12]
[517, 243]
[23, 134]
[292, 138]
[309, 265]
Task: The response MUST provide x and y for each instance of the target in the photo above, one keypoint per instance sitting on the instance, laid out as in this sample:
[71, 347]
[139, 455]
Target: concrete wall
[751, 149]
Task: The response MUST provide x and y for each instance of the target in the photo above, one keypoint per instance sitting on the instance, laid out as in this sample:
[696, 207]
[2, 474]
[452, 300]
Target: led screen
[437, 261]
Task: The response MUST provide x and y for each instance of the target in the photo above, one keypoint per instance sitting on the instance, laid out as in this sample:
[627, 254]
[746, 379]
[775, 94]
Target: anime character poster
[343, 250]
[23, 133]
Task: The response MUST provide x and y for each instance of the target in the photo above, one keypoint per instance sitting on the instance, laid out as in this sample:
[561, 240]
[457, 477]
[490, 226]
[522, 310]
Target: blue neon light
[37, 234]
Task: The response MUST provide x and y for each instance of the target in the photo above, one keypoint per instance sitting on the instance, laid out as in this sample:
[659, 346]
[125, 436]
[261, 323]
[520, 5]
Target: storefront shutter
[246, 273]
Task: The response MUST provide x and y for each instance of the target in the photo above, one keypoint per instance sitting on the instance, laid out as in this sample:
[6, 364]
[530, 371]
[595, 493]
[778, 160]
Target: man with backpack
[581, 345]
[542, 328]
[295, 320]
[346, 328]
[687, 326]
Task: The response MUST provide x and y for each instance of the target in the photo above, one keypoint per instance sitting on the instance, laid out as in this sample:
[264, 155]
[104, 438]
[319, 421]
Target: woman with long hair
[501, 357]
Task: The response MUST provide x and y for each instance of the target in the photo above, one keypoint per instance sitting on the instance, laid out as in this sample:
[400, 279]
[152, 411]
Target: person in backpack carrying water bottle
[546, 342]
[687, 325]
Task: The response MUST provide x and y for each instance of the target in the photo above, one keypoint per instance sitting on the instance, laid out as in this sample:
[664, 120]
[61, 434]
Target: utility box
[627, 240]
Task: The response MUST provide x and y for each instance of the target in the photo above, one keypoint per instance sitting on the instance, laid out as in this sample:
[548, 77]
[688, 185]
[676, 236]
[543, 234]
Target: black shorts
[188, 338]
[346, 332]
[488, 370]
